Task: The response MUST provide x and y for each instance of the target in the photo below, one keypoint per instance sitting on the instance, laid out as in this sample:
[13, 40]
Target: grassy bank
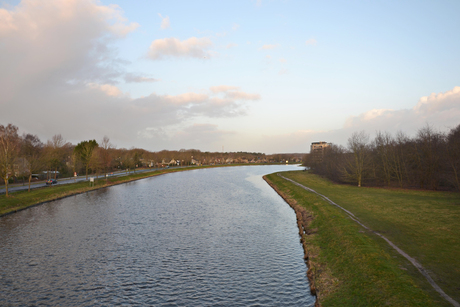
[353, 267]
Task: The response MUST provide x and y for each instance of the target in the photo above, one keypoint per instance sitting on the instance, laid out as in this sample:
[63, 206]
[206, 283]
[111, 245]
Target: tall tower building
[317, 151]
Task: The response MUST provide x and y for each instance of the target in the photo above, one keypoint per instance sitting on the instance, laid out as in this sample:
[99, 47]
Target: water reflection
[215, 237]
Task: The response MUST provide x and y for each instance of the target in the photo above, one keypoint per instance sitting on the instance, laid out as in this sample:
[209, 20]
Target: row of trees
[430, 160]
[25, 156]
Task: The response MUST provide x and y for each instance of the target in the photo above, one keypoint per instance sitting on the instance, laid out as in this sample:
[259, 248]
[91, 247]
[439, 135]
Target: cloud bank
[233, 92]
[60, 75]
[441, 111]
[136, 78]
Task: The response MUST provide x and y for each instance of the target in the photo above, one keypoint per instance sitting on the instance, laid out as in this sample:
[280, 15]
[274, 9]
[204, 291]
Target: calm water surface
[214, 237]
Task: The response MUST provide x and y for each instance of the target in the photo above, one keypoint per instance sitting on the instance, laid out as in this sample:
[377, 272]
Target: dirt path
[400, 251]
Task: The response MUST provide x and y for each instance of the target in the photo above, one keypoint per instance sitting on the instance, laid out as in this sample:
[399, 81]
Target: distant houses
[225, 159]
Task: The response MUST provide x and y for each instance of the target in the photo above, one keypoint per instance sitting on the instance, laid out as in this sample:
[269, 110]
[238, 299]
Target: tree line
[429, 160]
[22, 157]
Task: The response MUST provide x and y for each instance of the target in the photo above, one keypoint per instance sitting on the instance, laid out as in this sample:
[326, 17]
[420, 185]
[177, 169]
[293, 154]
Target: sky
[242, 75]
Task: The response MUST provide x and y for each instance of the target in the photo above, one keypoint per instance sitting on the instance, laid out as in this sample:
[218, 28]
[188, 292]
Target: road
[33, 185]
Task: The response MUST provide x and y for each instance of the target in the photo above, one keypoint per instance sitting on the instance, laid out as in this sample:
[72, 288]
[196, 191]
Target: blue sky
[265, 76]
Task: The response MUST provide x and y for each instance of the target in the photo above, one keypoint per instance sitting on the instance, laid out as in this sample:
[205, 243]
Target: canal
[207, 237]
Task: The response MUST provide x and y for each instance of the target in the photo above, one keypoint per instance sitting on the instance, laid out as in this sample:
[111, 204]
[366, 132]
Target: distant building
[317, 151]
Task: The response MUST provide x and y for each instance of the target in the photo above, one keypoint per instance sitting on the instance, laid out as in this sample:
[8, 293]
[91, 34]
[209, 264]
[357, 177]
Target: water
[214, 237]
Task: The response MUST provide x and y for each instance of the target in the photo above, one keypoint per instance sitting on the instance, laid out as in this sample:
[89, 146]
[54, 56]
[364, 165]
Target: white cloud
[186, 99]
[231, 45]
[107, 111]
[268, 47]
[233, 92]
[32, 18]
[7, 23]
[223, 88]
[235, 26]
[239, 95]
[282, 60]
[201, 136]
[441, 110]
[109, 90]
[439, 102]
[45, 42]
[134, 78]
[58, 67]
[311, 42]
[165, 24]
[371, 115]
[173, 47]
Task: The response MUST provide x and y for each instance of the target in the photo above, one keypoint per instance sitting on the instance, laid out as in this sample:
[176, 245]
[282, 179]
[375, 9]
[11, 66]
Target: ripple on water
[216, 237]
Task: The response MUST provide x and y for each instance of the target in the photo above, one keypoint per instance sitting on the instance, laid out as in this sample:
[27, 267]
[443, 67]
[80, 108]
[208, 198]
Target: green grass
[354, 267]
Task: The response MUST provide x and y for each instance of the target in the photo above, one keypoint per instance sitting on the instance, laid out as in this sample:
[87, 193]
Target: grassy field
[354, 267]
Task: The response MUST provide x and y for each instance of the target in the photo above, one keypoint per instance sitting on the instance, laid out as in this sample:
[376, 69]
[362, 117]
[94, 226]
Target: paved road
[34, 185]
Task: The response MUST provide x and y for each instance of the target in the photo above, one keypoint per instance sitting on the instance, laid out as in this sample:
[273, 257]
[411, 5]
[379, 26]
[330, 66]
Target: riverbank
[21, 200]
[350, 266]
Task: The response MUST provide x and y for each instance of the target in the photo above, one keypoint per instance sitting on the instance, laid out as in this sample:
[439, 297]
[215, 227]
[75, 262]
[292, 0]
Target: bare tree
[429, 147]
[333, 161]
[359, 149]
[127, 161]
[9, 150]
[75, 164]
[397, 154]
[331, 164]
[95, 161]
[105, 155]
[453, 150]
[84, 151]
[382, 147]
[55, 152]
[31, 153]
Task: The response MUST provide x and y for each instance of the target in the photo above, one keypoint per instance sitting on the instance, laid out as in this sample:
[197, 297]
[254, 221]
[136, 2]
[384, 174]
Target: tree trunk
[455, 175]
[30, 178]
[6, 187]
